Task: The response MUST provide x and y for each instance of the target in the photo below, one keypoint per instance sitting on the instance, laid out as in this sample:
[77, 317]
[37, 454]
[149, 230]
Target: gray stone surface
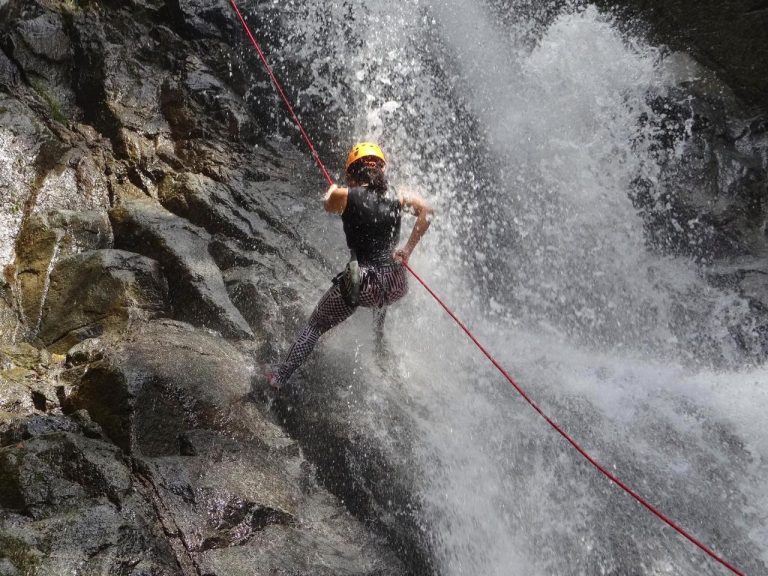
[45, 239]
[160, 380]
[98, 290]
[9, 73]
[70, 504]
[196, 287]
[213, 206]
[45, 37]
[231, 482]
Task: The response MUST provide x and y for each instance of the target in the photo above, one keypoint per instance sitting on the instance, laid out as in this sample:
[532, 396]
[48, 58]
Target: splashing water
[528, 140]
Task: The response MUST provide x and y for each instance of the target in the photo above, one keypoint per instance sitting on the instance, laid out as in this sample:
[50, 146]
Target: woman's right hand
[423, 212]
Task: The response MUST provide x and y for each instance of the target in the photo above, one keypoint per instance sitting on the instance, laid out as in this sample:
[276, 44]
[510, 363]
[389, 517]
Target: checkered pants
[379, 287]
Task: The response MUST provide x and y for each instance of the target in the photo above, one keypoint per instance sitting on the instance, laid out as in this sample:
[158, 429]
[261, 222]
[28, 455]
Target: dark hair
[369, 176]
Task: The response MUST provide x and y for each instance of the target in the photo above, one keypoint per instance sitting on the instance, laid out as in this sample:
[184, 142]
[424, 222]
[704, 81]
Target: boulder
[81, 466]
[163, 379]
[43, 238]
[97, 290]
[196, 287]
[69, 504]
[214, 206]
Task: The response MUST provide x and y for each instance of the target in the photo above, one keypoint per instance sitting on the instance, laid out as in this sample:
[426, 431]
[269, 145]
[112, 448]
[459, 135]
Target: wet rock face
[162, 380]
[136, 454]
[41, 46]
[215, 207]
[709, 201]
[99, 289]
[203, 18]
[194, 280]
[86, 468]
[9, 74]
[43, 240]
[375, 473]
[729, 37]
[71, 504]
[249, 513]
[230, 483]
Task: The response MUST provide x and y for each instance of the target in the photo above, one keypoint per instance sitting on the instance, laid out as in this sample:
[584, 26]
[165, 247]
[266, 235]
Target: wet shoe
[264, 389]
[272, 381]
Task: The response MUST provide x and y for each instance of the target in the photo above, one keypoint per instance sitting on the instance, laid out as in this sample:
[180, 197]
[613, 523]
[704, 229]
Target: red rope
[602, 469]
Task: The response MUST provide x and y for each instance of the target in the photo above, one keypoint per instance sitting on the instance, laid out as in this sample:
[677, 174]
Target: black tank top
[372, 225]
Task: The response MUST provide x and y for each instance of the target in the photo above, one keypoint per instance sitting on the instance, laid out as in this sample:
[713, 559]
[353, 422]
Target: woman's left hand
[401, 255]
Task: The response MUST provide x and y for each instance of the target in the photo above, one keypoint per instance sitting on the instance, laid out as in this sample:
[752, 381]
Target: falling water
[527, 138]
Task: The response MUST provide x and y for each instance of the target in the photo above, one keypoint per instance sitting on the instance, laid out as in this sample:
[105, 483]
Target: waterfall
[528, 138]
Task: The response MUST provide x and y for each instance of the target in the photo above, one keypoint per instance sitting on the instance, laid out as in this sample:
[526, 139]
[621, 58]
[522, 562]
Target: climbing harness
[599, 467]
[350, 281]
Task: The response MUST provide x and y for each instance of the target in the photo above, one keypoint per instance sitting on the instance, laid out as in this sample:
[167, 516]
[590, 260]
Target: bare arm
[423, 211]
[335, 199]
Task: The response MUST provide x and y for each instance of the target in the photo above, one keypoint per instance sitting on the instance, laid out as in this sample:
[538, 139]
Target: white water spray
[604, 334]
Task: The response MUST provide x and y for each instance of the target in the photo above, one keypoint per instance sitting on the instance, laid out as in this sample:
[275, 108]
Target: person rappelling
[374, 277]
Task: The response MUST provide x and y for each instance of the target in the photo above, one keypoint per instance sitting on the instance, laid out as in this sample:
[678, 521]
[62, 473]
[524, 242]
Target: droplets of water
[528, 140]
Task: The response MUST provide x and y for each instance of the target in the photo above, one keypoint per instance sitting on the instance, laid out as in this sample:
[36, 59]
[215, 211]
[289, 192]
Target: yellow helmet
[363, 150]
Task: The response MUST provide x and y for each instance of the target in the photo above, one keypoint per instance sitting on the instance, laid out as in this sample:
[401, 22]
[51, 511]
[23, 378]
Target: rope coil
[599, 467]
